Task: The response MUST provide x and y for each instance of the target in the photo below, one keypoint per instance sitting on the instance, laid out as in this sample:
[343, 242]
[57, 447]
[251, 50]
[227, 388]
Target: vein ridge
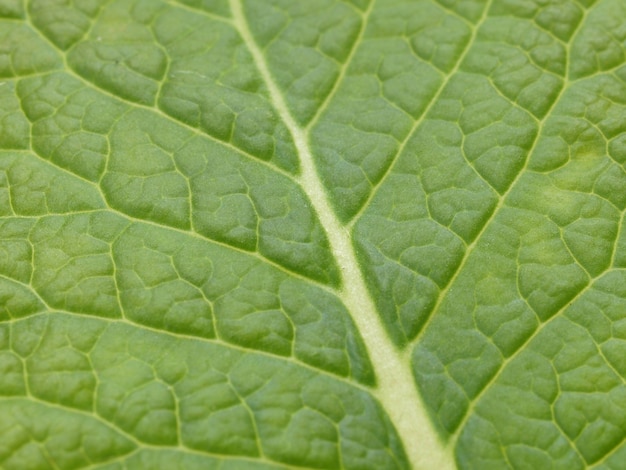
[396, 386]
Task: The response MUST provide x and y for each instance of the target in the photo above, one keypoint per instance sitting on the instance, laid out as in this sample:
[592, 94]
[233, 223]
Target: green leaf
[358, 234]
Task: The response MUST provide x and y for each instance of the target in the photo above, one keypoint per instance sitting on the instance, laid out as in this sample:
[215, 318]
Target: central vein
[395, 386]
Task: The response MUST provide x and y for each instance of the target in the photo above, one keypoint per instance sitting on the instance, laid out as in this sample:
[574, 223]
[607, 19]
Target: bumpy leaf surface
[357, 234]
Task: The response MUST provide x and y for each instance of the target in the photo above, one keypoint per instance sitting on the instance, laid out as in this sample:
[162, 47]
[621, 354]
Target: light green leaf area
[321, 234]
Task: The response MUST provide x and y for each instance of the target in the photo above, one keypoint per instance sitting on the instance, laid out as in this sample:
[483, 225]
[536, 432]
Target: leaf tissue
[321, 234]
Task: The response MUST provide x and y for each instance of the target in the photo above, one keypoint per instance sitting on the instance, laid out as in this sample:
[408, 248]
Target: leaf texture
[352, 234]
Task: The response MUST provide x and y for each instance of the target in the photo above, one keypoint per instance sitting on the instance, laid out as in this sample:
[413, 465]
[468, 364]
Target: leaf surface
[356, 234]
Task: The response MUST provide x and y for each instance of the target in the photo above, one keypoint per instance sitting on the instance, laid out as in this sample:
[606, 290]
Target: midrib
[395, 388]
